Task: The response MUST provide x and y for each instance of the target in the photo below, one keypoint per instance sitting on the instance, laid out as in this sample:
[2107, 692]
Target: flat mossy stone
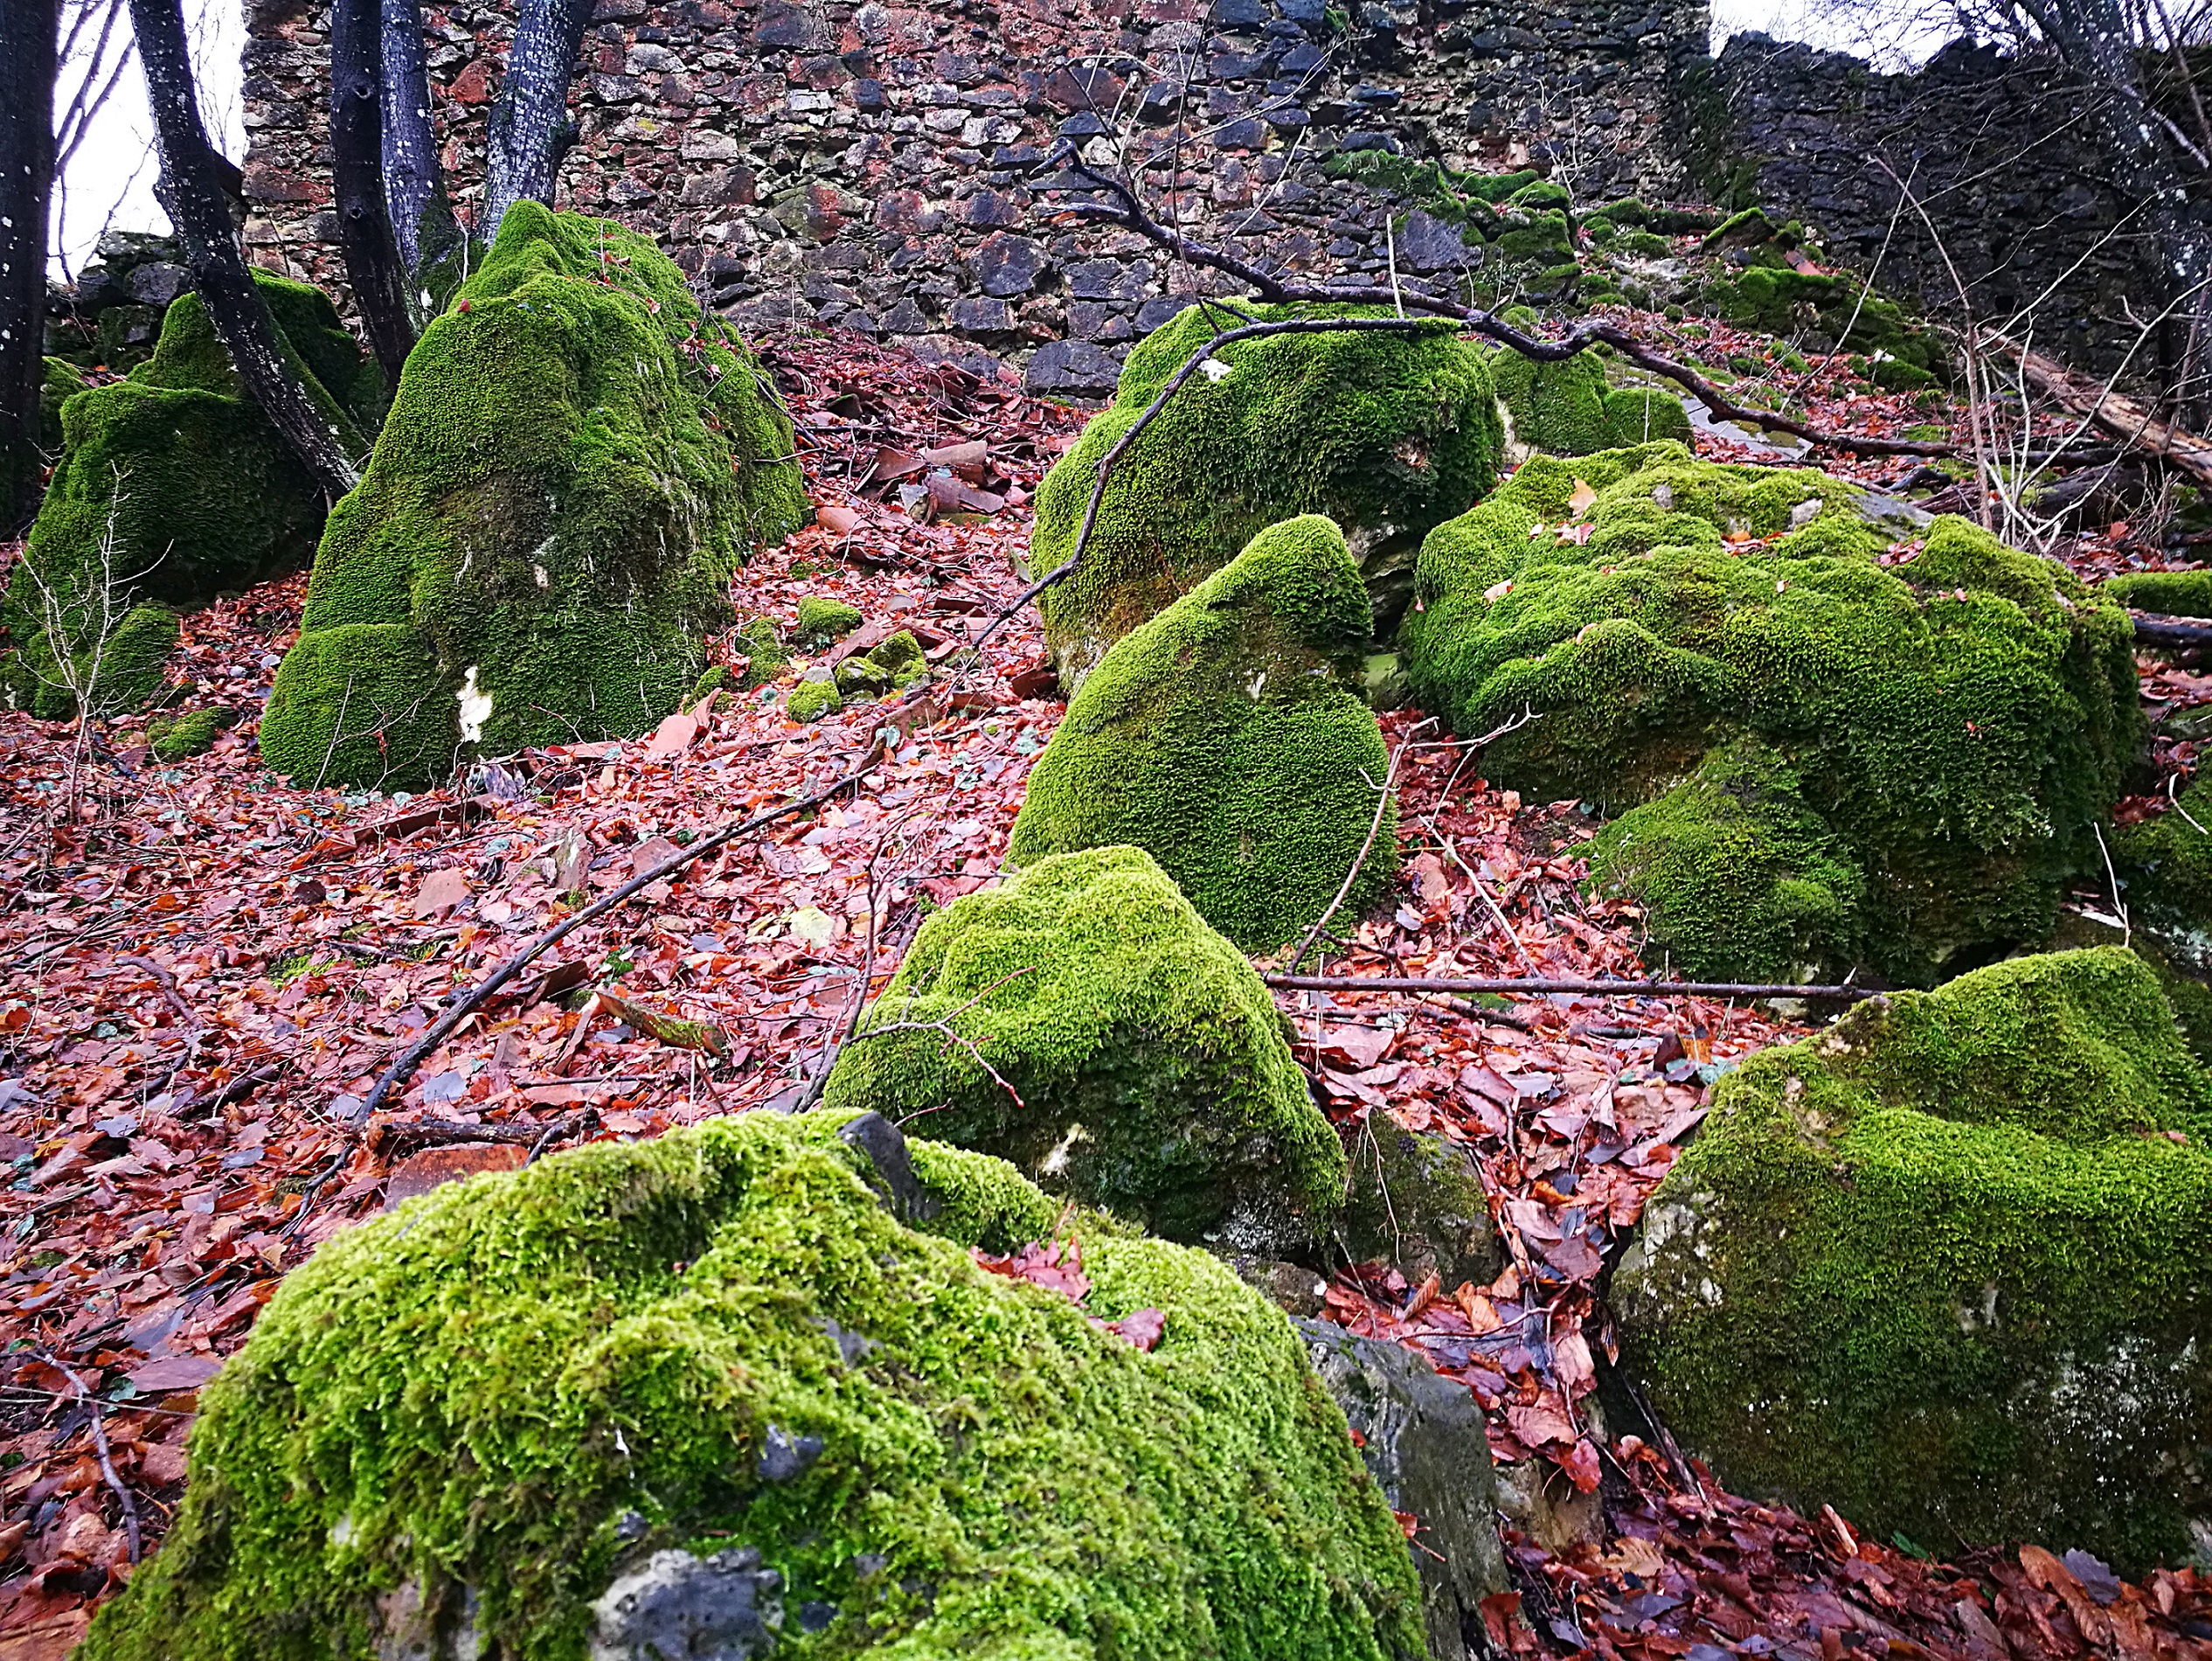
[1140, 1064]
[574, 464]
[1225, 737]
[1386, 434]
[1960, 720]
[173, 486]
[191, 733]
[2173, 593]
[1943, 1268]
[712, 1394]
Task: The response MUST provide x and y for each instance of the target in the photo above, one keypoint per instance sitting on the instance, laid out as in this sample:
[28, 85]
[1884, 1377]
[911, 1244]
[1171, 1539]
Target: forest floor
[202, 970]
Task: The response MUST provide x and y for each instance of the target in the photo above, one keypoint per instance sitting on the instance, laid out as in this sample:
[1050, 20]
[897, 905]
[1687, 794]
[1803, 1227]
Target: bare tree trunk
[29, 32]
[191, 175]
[357, 150]
[415, 186]
[529, 130]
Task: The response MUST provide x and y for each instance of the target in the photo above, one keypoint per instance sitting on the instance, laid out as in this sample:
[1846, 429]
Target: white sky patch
[1889, 34]
[475, 707]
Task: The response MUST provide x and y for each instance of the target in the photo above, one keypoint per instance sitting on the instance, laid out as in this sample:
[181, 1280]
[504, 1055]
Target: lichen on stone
[1943, 1268]
[710, 1387]
[1959, 721]
[575, 462]
[1386, 434]
[1224, 738]
[1140, 1064]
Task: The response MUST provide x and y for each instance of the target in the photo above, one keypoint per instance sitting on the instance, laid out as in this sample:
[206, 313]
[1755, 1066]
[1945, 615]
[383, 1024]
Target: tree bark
[191, 177]
[29, 32]
[414, 184]
[357, 150]
[529, 131]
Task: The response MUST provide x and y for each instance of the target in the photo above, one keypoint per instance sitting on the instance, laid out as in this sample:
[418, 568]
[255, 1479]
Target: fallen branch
[1526, 987]
[2152, 628]
[2115, 416]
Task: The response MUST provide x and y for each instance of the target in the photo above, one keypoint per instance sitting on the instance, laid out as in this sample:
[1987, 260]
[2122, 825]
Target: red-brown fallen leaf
[1581, 1465]
[672, 737]
[839, 521]
[440, 892]
[174, 1372]
[1143, 1327]
[1540, 1424]
[419, 1172]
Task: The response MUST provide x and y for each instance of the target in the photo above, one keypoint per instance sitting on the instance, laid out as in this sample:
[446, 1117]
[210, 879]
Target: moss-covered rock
[191, 733]
[711, 1393]
[1943, 1268]
[892, 663]
[812, 699]
[2166, 865]
[1558, 407]
[1386, 434]
[1958, 721]
[1224, 738]
[1644, 415]
[1780, 301]
[173, 487]
[2175, 593]
[1415, 1201]
[1141, 1063]
[823, 619]
[574, 464]
[767, 657]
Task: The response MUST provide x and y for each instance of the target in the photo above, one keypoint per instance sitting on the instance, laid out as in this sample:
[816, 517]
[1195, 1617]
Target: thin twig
[1359, 860]
[1534, 988]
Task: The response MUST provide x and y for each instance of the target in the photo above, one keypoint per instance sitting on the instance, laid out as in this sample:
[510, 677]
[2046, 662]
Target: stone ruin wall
[874, 166]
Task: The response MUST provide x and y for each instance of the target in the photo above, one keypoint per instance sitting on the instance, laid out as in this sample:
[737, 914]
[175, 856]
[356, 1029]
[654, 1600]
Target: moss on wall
[1224, 738]
[574, 464]
[1386, 434]
[1943, 1268]
[720, 1352]
[1143, 1063]
[1960, 720]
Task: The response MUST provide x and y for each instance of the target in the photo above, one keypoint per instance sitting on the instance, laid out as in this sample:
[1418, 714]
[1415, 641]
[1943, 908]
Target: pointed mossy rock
[173, 487]
[711, 1392]
[575, 464]
[1959, 721]
[1142, 1065]
[1945, 1269]
[1223, 738]
[1386, 434]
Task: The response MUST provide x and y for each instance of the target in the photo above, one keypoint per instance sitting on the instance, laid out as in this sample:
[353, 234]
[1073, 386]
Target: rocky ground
[204, 970]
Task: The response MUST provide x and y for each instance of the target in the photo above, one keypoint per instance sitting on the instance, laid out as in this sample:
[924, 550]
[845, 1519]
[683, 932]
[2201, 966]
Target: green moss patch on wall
[1943, 1268]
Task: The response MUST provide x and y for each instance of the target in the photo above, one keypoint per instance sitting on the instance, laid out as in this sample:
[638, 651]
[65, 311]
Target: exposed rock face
[1386, 434]
[1943, 1268]
[710, 1396]
[1222, 737]
[1140, 1064]
[1425, 1446]
[1832, 761]
[571, 469]
[172, 486]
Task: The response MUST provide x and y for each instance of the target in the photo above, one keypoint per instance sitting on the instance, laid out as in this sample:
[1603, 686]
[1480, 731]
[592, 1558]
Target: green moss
[573, 465]
[2173, 593]
[1959, 722]
[712, 678]
[62, 381]
[1557, 407]
[810, 700]
[2167, 864]
[1944, 1270]
[767, 656]
[1644, 415]
[522, 1387]
[173, 486]
[1784, 301]
[1225, 737]
[822, 619]
[1386, 434]
[900, 656]
[1143, 1062]
[188, 734]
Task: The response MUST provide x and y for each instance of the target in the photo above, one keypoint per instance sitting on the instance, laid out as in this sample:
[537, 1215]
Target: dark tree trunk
[193, 194]
[357, 150]
[530, 131]
[29, 31]
[415, 187]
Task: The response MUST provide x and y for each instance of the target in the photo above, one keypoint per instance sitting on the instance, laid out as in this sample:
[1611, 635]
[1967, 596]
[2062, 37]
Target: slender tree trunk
[29, 31]
[415, 186]
[357, 150]
[530, 131]
[194, 197]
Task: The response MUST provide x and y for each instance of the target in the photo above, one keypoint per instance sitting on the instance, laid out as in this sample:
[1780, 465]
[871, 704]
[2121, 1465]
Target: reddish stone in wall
[473, 84]
[265, 184]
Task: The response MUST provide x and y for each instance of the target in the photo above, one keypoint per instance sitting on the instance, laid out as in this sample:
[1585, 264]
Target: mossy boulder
[745, 1389]
[1224, 738]
[823, 620]
[1644, 415]
[575, 462]
[1943, 1268]
[2175, 593]
[173, 487]
[1958, 721]
[1568, 408]
[1141, 1065]
[812, 699]
[894, 661]
[1416, 1202]
[1386, 434]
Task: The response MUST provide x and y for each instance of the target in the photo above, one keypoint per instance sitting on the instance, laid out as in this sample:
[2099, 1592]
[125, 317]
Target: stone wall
[876, 165]
[1999, 151]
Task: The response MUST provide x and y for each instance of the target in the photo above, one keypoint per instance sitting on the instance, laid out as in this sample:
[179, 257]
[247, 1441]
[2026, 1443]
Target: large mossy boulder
[1083, 1021]
[1888, 765]
[172, 487]
[1944, 1267]
[711, 1396]
[1388, 434]
[575, 462]
[1223, 738]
